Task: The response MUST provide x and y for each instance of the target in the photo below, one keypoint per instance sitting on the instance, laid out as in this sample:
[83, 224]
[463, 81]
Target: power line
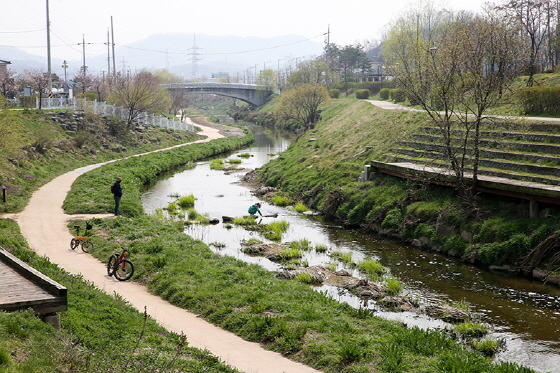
[23, 32]
[224, 53]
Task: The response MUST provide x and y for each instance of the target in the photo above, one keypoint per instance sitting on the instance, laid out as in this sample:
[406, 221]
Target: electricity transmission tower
[194, 59]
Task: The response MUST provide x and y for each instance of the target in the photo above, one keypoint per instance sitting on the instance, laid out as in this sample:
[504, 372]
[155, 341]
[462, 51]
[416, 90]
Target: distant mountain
[176, 52]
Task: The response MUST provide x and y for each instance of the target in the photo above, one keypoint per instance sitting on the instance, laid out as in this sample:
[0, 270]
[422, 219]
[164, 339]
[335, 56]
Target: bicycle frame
[119, 266]
[120, 259]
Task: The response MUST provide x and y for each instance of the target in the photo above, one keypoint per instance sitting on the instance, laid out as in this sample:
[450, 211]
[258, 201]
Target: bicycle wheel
[111, 264]
[87, 246]
[124, 270]
[74, 242]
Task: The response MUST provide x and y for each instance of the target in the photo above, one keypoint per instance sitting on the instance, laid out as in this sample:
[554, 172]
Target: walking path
[43, 224]
[387, 105]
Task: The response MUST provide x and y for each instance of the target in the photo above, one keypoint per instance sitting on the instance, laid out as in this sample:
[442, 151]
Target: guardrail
[106, 110]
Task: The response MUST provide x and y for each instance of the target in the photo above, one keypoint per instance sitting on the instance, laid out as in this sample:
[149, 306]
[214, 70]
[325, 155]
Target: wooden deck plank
[16, 288]
[21, 286]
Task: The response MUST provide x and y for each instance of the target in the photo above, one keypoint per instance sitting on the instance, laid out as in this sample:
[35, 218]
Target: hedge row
[540, 100]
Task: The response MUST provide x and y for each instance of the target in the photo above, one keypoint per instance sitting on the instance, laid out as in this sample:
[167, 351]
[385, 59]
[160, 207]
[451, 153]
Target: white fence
[106, 110]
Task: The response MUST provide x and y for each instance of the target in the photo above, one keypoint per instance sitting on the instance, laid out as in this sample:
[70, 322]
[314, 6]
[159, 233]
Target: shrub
[334, 93]
[397, 95]
[81, 139]
[384, 93]
[362, 94]
[540, 99]
[393, 219]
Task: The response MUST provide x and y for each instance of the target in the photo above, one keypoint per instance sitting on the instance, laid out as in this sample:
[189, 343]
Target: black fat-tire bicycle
[84, 241]
[119, 266]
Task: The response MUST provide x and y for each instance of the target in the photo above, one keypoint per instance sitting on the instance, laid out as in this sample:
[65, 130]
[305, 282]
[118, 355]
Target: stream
[522, 312]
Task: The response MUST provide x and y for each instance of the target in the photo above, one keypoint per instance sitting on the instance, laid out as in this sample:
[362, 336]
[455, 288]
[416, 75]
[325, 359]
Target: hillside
[36, 145]
[323, 167]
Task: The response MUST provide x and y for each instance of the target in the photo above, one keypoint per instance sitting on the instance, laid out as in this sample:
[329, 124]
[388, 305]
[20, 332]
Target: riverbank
[323, 169]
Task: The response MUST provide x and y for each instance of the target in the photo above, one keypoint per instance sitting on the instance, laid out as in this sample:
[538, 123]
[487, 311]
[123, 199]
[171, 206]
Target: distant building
[376, 73]
[220, 77]
[4, 66]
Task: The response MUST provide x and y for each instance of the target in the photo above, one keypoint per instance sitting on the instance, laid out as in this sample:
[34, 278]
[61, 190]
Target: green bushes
[397, 95]
[362, 94]
[384, 93]
[500, 252]
[540, 100]
[334, 93]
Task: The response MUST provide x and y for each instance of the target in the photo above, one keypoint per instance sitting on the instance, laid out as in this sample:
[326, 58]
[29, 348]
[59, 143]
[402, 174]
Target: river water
[524, 313]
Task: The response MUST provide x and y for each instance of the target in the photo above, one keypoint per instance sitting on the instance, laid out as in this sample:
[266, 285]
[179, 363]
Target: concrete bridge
[250, 93]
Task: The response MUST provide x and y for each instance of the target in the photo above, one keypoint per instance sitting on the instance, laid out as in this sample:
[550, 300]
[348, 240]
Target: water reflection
[523, 312]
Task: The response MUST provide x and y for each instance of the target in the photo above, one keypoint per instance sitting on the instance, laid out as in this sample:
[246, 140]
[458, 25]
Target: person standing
[117, 194]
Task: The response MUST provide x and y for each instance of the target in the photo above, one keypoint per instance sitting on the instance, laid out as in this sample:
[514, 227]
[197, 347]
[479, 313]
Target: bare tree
[139, 93]
[455, 66]
[180, 100]
[99, 86]
[8, 83]
[535, 17]
[300, 105]
[38, 81]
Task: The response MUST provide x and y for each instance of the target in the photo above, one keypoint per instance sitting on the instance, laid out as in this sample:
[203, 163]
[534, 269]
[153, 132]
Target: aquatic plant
[186, 201]
[372, 268]
[217, 164]
[300, 207]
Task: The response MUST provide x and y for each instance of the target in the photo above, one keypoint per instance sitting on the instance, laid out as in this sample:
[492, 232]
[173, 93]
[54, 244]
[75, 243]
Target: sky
[72, 22]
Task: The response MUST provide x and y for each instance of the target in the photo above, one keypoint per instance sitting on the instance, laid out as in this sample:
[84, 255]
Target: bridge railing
[107, 110]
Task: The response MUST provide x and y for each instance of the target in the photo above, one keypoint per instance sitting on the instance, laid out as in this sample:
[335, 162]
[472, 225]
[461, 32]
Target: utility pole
[113, 43]
[108, 55]
[84, 67]
[49, 50]
[65, 66]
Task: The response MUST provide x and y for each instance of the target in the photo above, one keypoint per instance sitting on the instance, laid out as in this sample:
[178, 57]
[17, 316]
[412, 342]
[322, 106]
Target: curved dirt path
[43, 224]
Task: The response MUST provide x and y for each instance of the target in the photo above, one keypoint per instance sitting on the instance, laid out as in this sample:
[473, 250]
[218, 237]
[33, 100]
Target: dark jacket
[117, 190]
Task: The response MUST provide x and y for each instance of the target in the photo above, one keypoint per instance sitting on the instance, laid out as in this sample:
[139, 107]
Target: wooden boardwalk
[24, 287]
[527, 190]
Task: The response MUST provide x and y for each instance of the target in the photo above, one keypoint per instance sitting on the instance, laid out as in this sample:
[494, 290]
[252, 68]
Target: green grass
[372, 268]
[23, 171]
[86, 342]
[281, 201]
[300, 207]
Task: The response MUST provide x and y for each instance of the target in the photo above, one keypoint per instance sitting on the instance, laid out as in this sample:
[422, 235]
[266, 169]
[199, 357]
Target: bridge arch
[249, 93]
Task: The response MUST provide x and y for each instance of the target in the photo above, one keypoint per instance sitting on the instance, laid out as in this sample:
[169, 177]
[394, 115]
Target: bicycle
[84, 241]
[119, 266]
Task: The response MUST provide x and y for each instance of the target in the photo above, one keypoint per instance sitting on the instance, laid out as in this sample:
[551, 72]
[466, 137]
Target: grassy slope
[323, 167]
[24, 169]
